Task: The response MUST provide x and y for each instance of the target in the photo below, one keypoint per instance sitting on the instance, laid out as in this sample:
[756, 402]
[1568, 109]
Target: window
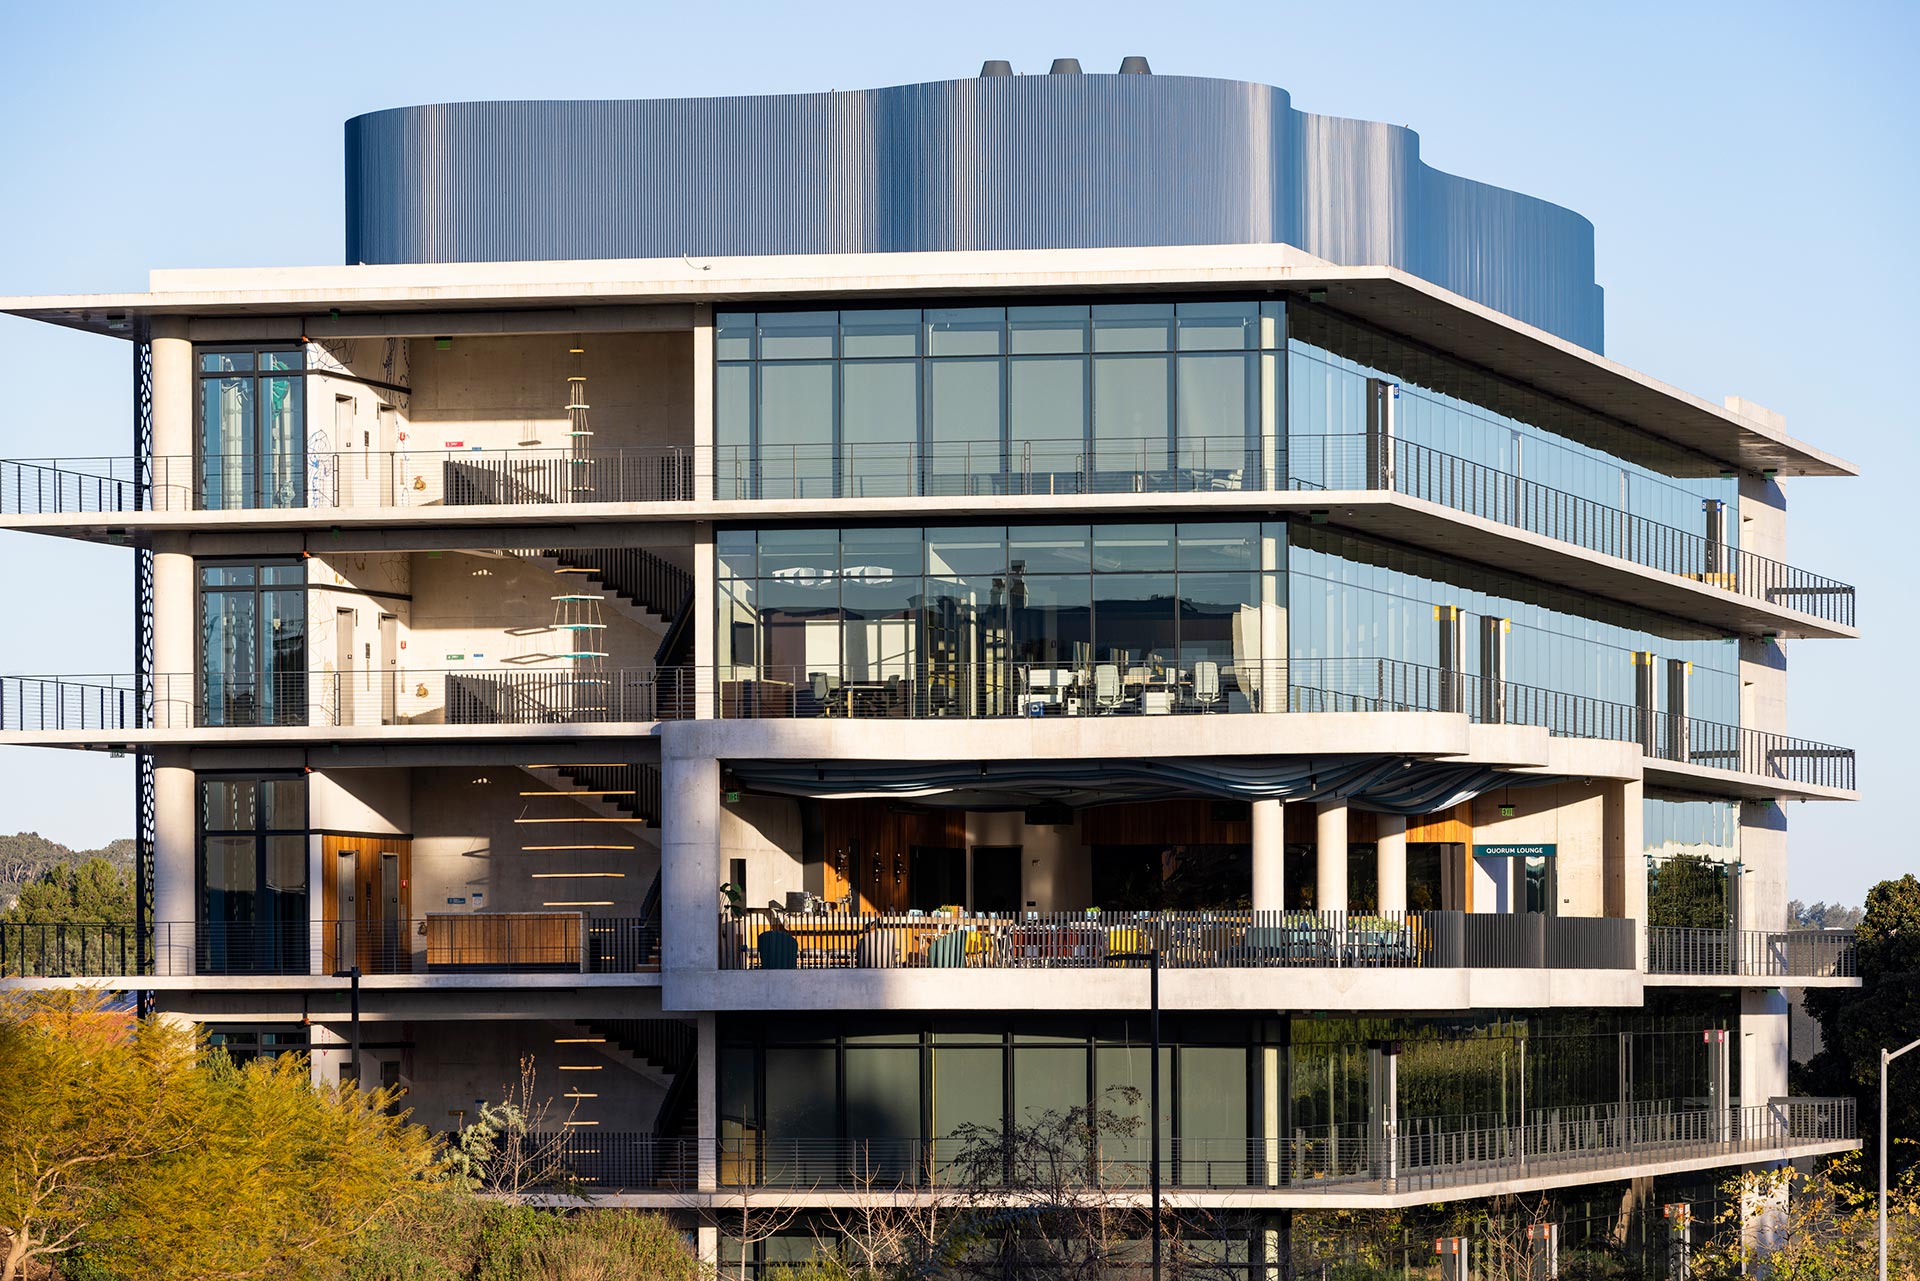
[253, 643]
[253, 873]
[252, 437]
[1060, 398]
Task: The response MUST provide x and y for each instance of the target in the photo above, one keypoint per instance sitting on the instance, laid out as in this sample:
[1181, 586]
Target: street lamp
[1152, 957]
[1886, 1057]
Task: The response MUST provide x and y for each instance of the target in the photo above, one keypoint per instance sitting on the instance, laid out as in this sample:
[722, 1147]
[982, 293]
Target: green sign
[1514, 851]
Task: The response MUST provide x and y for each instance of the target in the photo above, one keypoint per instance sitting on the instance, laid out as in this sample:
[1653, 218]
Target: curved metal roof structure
[997, 162]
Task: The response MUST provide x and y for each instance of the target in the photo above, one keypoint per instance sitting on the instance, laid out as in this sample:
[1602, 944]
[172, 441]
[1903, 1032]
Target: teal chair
[949, 951]
[779, 950]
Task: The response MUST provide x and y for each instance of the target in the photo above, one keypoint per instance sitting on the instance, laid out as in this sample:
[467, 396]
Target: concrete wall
[500, 393]
[373, 802]
[1056, 871]
[455, 1067]
[349, 593]
[765, 831]
[467, 845]
[1569, 816]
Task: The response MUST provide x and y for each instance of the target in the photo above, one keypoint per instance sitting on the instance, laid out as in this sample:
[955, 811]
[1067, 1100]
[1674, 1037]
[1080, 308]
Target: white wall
[1056, 871]
[1568, 816]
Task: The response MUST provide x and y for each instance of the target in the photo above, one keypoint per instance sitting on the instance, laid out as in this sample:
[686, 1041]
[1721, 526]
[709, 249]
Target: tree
[127, 1142]
[94, 892]
[513, 1148]
[1821, 1224]
[1884, 1011]
[1821, 916]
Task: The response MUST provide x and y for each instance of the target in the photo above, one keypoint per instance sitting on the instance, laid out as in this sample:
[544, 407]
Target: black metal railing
[1454, 1155]
[1777, 954]
[478, 942]
[1228, 939]
[548, 696]
[541, 476]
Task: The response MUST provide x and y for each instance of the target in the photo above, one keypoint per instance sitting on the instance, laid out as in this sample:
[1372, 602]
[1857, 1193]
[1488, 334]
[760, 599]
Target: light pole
[354, 974]
[1886, 1057]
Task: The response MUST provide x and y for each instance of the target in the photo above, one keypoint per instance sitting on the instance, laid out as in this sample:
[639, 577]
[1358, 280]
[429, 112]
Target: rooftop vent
[1135, 66]
[1064, 67]
[996, 67]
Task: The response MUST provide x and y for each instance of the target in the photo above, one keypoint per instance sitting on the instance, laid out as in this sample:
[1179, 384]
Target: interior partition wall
[1061, 398]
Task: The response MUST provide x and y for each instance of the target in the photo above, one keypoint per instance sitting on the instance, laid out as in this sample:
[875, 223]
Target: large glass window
[1363, 615]
[1460, 429]
[1058, 398]
[253, 643]
[991, 620]
[252, 438]
[253, 873]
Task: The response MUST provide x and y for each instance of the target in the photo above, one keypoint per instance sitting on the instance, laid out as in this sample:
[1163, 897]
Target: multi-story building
[781, 612]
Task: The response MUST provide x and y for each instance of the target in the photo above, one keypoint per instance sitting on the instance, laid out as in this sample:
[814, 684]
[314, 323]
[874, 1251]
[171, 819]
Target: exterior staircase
[644, 586]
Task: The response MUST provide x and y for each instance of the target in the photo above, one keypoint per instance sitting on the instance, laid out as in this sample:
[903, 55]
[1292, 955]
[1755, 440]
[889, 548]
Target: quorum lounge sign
[1514, 851]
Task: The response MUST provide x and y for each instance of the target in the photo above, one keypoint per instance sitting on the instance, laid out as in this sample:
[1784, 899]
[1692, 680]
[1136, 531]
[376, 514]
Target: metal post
[1153, 1085]
[1886, 1058]
[354, 1010]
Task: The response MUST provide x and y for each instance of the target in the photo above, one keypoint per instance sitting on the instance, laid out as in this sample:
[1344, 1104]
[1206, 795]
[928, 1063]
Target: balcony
[1793, 958]
[1351, 463]
[439, 943]
[1184, 940]
[83, 708]
[1418, 1160]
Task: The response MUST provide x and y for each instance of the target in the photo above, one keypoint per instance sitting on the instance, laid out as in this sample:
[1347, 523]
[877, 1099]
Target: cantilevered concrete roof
[455, 298]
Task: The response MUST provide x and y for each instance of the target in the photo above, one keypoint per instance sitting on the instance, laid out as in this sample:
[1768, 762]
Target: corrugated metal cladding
[999, 162]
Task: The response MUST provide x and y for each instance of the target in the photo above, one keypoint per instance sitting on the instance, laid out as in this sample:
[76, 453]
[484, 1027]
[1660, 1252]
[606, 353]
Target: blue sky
[1750, 169]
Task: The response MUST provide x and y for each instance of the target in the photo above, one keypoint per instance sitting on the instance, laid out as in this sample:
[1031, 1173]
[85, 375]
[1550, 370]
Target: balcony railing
[1437, 1154]
[451, 943]
[553, 696]
[1772, 954]
[462, 696]
[1376, 463]
[1218, 464]
[1185, 941]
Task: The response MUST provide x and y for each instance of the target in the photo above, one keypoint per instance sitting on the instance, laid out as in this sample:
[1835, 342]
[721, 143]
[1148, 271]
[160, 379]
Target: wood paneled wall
[871, 839]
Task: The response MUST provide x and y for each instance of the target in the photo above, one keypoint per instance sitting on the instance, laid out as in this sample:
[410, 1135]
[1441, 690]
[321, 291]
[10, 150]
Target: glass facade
[1350, 597]
[984, 620]
[797, 1096]
[1061, 398]
[253, 643]
[253, 873]
[1455, 410]
[253, 435]
[1693, 862]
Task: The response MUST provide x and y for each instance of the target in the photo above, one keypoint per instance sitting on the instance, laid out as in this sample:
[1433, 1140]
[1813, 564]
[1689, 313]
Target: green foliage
[1688, 892]
[1821, 916]
[126, 1143]
[1884, 1012]
[92, 892]
[25, 857]
[452, 1235]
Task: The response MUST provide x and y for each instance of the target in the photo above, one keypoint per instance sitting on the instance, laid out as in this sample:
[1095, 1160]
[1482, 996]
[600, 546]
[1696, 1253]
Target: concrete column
[173, 634]
[1763, 1046]
[1269, 856]
[1390, 856]
[706, 1063]
[1330, 881]
[703, 368]
[1625, 858]
[706, 647]
[175, 872]
[1273, 620]
[173, 414]
[689, 856]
